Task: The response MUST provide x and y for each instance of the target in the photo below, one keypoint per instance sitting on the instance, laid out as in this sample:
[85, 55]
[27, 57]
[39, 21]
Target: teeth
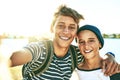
[65, 38]
[87, 51]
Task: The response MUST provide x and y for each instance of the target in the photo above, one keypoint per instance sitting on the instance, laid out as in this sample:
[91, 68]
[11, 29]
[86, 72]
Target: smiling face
[88, 44]
[64, 31]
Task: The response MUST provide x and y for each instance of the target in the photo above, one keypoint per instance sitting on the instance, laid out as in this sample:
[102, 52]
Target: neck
[93, 63]
[60, 51]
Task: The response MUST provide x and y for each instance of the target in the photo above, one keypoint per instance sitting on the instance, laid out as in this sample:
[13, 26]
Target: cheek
[96, 46]
[74, 34]
[80, 48]
[56, 30]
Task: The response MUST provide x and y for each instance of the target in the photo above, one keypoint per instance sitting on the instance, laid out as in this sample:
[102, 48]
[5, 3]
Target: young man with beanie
[90, 41]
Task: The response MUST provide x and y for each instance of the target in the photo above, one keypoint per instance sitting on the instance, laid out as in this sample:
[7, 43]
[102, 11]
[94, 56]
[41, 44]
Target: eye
[72, 28]
[81, 42]
[60, 26]
[91, 41]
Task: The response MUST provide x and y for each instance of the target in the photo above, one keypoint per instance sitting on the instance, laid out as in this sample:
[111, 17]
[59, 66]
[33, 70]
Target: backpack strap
[46, 62]
[73, 56]
[49, 53]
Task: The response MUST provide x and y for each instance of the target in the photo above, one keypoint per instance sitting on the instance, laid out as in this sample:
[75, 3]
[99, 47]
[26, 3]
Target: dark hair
[66, 11]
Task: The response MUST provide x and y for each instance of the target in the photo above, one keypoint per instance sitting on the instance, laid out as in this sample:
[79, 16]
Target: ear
[51, 29]
[100, 45]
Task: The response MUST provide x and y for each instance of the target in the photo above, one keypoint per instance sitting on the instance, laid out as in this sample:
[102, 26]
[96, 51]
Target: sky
[33, 17]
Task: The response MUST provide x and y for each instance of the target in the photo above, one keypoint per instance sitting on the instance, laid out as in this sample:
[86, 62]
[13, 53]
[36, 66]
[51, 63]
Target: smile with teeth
[64, 38]
[88, 51]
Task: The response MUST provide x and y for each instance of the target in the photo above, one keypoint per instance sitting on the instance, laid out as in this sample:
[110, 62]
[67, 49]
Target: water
[112, 45]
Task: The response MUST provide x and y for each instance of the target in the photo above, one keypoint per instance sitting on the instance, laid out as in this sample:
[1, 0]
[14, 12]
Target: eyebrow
[64, 23]
[91, 38]
[88, 38]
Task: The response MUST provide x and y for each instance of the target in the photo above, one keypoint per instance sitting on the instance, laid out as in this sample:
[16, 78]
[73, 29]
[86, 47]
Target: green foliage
[111, 36]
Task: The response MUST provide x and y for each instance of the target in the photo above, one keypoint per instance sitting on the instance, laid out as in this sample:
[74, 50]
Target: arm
[20, 57]
[110, 66]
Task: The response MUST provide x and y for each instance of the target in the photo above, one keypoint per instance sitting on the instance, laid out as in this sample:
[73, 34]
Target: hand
[110, 66]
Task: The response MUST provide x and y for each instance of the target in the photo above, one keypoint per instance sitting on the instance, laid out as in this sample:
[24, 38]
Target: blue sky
[31, 17]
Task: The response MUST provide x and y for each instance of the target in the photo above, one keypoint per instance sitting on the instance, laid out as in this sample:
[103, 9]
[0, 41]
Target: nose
[86, 45]
[66, 30]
